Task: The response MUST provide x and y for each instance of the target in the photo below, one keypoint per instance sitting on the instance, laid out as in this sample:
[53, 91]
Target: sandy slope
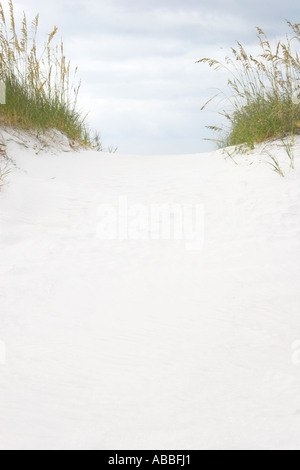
[145, 344]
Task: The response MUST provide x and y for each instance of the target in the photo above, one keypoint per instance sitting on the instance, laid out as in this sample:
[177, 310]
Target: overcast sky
[136, 58]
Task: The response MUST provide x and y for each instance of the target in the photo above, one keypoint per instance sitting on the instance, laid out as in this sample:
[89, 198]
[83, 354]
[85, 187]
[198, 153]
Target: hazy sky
[137, 62]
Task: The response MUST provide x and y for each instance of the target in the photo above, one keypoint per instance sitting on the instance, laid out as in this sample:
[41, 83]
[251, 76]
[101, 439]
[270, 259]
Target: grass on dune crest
[263, 91]
[40, 93]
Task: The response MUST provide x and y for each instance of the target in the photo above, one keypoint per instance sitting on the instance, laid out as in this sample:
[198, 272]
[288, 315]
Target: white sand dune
[146, 344]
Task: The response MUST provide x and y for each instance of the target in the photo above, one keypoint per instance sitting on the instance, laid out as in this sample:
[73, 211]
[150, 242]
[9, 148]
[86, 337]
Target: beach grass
[41, 87]
[262, 91]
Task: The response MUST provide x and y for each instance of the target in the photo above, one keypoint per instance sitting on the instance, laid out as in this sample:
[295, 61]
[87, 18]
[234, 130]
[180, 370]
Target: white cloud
[137, 61]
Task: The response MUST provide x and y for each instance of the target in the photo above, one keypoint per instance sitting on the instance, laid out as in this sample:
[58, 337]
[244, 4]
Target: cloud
[137, 61]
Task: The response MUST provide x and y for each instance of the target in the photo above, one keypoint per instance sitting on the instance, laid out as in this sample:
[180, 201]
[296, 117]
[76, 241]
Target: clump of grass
[289, 151]
[262, 92]
[275, 164]
[39, 91]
